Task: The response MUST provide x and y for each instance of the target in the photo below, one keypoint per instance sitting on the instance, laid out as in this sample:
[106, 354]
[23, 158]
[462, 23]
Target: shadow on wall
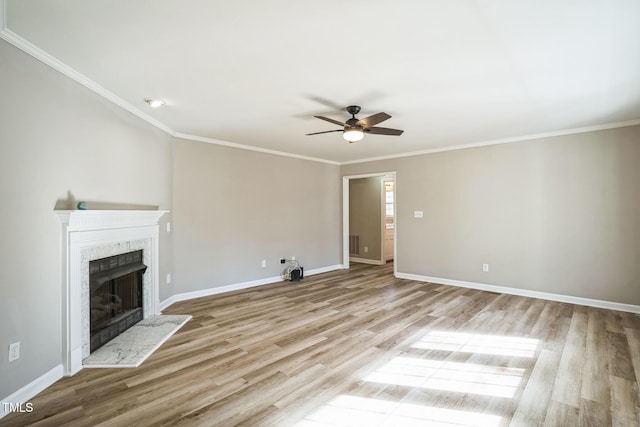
[70, 203]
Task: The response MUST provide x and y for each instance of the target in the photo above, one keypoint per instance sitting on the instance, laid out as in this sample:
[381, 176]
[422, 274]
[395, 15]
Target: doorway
[387, 246]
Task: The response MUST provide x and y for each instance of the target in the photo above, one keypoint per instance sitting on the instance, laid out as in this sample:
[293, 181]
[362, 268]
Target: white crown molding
[604, 126]
[24, 45]
[61, 67]
[251, 148]
[29, 391]
[609, 305]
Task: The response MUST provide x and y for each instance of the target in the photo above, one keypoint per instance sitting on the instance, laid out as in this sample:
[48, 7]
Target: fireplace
[87, 236]
[115, 296]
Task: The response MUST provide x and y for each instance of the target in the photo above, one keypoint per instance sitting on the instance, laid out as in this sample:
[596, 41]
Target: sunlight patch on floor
[449, 376]
[352, 411]
[477, 343]
[431, 374]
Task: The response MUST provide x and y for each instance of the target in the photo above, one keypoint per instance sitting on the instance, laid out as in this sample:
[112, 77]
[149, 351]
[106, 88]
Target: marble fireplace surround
[93, 234]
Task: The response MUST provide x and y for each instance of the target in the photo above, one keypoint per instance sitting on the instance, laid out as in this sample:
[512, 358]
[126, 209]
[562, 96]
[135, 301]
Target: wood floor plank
[619, 356]
[625, 404]
[560, 414]
[276, 354]
[534, 402]
[568, 381]
[633, 340]
[594, 414]
[595, 379]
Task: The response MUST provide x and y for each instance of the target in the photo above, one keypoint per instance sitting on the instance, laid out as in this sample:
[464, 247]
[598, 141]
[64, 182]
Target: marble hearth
[90, 235]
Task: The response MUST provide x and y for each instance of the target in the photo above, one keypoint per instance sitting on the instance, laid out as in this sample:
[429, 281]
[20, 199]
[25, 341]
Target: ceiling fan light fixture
[353, 129]
[353, 134]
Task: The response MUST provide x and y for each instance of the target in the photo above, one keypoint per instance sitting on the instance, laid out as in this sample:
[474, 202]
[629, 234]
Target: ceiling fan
[353, 129]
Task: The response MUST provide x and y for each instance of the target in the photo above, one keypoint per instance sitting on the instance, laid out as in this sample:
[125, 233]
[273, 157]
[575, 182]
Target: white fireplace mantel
[78, 220]
[93, 234]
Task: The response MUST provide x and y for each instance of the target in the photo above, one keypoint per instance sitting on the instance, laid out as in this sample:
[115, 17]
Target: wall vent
[354, 245]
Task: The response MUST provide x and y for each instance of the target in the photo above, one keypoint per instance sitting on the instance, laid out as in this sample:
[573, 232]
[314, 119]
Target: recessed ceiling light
[154, 103]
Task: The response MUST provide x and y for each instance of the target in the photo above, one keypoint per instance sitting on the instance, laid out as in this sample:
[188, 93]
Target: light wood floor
[364, 348]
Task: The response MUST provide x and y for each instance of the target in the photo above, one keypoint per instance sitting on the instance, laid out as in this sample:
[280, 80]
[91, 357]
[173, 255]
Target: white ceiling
[450, 72]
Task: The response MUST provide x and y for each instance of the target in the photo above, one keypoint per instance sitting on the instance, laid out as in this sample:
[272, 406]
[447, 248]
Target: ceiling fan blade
[326, 119]
[384, 131]
[367, 122]
[326, 131]
[325, 102]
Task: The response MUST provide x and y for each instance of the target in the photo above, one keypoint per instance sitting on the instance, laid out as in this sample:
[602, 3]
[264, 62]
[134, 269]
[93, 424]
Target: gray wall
[558, 215]
[62, 143]
[58, 137]
[365, 215]
[234, 208]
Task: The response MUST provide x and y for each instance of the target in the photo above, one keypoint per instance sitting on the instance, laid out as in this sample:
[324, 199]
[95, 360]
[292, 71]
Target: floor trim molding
[244, 285]
[29, 391]
[524, 293]
[366, 261]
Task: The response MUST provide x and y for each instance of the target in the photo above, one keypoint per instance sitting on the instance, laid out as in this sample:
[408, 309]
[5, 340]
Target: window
[388, 192]
[389, 203]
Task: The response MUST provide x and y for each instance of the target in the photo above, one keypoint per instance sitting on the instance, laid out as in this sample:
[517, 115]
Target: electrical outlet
[293, 258]
[366, 249]
[264, 263]
[14, 351]
[485, 268]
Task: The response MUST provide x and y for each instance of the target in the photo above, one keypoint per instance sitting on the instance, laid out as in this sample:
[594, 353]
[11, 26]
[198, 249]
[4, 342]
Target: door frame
[345, 216]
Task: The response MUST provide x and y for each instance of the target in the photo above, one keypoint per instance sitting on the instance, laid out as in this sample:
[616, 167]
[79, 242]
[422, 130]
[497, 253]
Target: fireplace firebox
[115, 285]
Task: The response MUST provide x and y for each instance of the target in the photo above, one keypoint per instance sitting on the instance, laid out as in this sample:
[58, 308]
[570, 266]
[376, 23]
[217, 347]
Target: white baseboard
[324, 269]
[222, 289]
[366, 261]
[33, 388]
[166, 303]
[525, 293]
